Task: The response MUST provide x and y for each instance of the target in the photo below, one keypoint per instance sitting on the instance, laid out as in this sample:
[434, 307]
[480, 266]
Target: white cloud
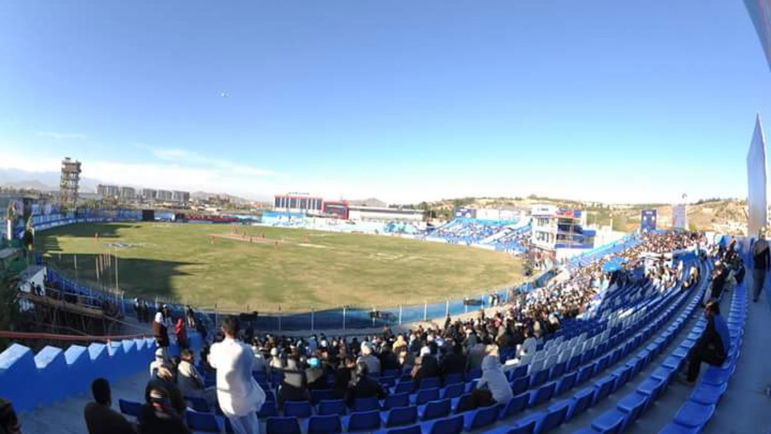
[59, 135]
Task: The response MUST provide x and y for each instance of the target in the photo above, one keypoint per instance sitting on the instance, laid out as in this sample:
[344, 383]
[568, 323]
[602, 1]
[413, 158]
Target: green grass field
[200, 265]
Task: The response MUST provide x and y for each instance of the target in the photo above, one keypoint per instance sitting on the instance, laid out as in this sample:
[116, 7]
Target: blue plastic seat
[539, 378]
[602, 388]
[473, 374]
[580, 402]
[622, 376]
[515, 405]
[396, 400]
[519, 385]
[534, 420]
[366, 404]
[610, 422]
[633, 405]
[426, 395]
[694, 415]
[585, 374]
[414, 429]
[400, 416]
[651, 387]
[453, 379]
[481, 418]
[436, 409]
[405, 387]
[282, 425]
[322, 394]
[297, 409]
[663, 373]
[557, 370]
[453, 390]
[566, 383]
[363, 421]
[329, 424]
[202, 422]
[708, 393]
[519, 371]
[430, 383]
[332, 407]
[674, 428]
[543, 394]
[390, 372]
[555, 416]
[450, 425]
[130, 408]
[268, 409]
[717, 376]
[387, 381]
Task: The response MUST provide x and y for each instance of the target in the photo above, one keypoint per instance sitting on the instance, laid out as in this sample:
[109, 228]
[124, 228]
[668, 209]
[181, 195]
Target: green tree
[9, 311]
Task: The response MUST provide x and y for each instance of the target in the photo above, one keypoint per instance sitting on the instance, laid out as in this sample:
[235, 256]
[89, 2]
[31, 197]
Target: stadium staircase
[33, 380]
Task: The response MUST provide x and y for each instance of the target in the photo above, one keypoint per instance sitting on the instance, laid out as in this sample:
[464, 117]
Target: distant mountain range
[43, 181]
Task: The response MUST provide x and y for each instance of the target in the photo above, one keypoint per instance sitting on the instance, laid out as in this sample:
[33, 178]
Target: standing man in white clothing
[239, 395]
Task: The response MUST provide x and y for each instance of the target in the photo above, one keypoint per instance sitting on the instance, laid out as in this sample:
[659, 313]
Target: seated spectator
[476, 354]
[9, 422]
[372, 362]
[158, 415]
[712, 347]
[165, 379]
[344, 375]
[454, 362]
[190, 381]
[426, 366]
[363, 386]
[260, 364]
[529, 346]
[100, 418]
[388, 360]
[275, 359]
[315, 375]
[158, 362]
[294, 387]
[494, 380]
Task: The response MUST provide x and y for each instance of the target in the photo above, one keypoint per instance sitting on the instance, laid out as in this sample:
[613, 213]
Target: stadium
[132, 301]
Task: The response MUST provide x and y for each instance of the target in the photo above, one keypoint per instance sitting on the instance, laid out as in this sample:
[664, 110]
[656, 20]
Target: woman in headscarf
[161, 333]
[495, 380]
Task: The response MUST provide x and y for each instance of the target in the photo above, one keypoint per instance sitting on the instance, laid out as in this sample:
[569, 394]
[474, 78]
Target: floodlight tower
[68, 184]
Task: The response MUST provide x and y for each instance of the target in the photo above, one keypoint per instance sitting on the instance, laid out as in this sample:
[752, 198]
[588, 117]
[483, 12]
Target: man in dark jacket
[388, 360]
[719, 277]
[363, 386]
[454, 362]
[100, 418]
[712, 346]
[344, 375]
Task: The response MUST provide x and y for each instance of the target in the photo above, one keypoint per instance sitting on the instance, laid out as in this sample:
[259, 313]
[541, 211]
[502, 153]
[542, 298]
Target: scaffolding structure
[68, 184]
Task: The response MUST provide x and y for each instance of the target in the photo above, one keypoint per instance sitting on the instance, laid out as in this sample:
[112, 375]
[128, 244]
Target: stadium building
[560, 233]
[379, 214]
[298, 203]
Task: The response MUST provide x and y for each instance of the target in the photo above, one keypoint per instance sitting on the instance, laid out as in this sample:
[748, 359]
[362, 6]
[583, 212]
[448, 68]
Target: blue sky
[406, 101]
